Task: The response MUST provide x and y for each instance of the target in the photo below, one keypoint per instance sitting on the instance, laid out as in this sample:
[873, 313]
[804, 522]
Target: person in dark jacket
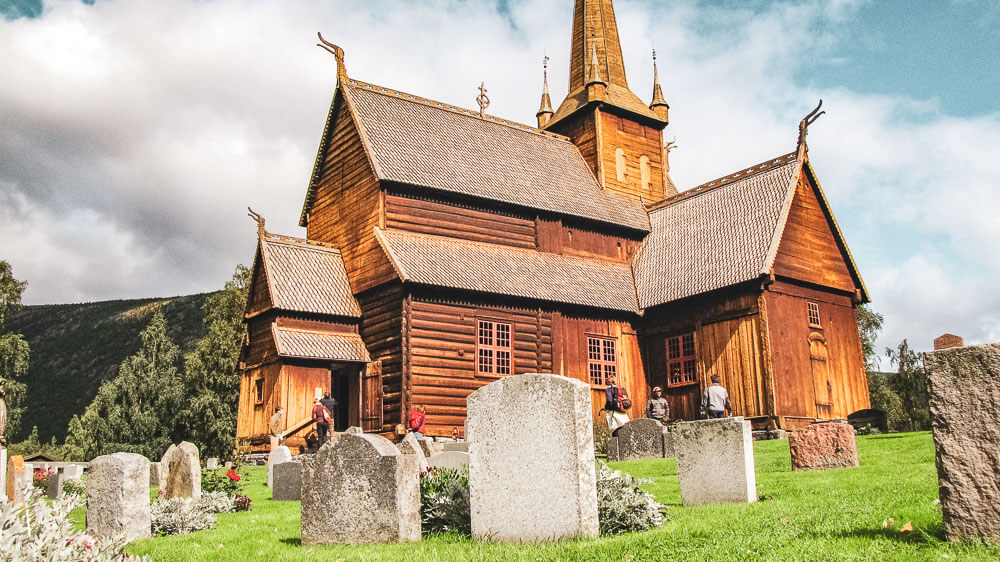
[321, 416]
[331, 405]
[657, 407]
[614, 412]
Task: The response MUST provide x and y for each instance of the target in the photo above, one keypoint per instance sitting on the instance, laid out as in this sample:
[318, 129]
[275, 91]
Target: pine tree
[911, 385]
[14, 351]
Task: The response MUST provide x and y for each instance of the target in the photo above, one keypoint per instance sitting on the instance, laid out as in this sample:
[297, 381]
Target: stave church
[445, 248]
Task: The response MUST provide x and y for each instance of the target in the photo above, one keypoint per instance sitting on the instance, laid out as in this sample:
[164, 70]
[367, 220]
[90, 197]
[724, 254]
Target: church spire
[545, 109]
[594, 26]
[659, 105]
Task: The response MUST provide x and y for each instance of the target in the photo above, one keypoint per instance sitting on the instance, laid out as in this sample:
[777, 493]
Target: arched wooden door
[822, 384]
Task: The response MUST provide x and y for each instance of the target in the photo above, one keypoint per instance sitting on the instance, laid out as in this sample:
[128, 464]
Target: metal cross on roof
[482, 100]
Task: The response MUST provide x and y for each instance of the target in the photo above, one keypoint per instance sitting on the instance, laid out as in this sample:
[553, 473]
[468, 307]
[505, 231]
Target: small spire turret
[658, 105]
[545, 109]
[597, 88]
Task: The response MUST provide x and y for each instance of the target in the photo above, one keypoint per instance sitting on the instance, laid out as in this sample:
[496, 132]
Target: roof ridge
[765, 166]
[455, 109]
[285, 239]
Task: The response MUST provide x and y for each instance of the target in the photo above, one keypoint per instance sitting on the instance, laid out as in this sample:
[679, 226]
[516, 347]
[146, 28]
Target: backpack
[624, 402]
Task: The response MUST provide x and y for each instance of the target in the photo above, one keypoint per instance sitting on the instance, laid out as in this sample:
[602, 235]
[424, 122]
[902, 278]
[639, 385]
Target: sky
[135, 134]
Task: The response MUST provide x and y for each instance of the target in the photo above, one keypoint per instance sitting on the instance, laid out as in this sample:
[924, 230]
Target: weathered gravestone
[612, 449]
[17, 483]
[56, 481]
[449, 459]
[532, 477]
[354, 430]
[156, 477]
[212, 463]
[640, 439]
[425, 446]
[118, 496]
[183, 471]
[963, 384]
[360, 489]
[715, 461]
[279, 455]
[73, 471]
[462, 446]
[823, 445]
[287, 485]
[410, 445]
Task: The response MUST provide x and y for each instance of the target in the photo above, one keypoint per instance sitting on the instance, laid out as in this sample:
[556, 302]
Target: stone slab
[56, 481]
[360, 489]
[156, 479]
[15, 479]
[287, 484]
[410, 445]
[212, 463]
[823, 445]
[280, 454]
[532, 475]
[425, 446]
[641, 438]
[668, 443]
[462, 446]
[449, 459]
[963, 384]
[118, 496]
[73, 471]
[715, 462]
[183, 471]
[612, 450]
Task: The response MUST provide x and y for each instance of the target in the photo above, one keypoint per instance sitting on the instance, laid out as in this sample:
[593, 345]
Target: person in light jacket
[715, 401]
[614, 412]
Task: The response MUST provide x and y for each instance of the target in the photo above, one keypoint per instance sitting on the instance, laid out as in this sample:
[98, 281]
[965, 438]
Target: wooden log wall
[348, 205]
[789, 331]
[382, 331]
[445, 219]
[559, 237]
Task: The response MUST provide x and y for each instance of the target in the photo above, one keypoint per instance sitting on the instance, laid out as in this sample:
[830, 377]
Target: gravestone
[355, 430]
[963, 384]
[287, 485]
[212, 463]
[16, 479]
[56, 481]
[715, 461]
[360, 489]
[462, 446]
[118, 496]
[946, 341]
[183, 471]
[449, 459]
[668, 443]
[532, 477]
[640, 438]
[823, 445]
[279, 455]
[3, 474]
[156, 479]
[612, 449]
[73, 471]
[410, 445]
[425, 446]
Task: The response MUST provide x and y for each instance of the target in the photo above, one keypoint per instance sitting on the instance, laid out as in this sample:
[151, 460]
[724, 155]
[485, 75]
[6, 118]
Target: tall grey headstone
[448, 459]
[56, 481]
[183, 471]
[715, 461]
[410, 445]
[963, 384]
[287, 485]
[118, 496]
[360, 489]
[612, 449]
[640, 438]
[532, 475]
[668, 443]
[280, 454]
[156, 476]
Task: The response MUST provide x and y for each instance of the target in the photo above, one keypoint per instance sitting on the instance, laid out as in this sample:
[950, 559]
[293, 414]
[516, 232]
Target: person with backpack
[322, 417]
[616, 402]
[418, 416]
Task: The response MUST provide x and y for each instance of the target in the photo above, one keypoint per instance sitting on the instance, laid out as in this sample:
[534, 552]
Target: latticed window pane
[681, 365]
[602, 360]
[676, 373]
[485, 333]
[687, 345]
[813, 314]
[494, 348]
[609, 350]
[610, 371]
[673, 348]
[503, 362]
[502, 335]
[485, 360]
[596, 375]
[689, 374]
[594, 349]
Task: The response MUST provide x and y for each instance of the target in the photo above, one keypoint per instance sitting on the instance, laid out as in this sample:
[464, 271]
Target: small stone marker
[668, 443]
[355, 430]
[410, 445]
[15, 480]
[963, 384]
[425, 446]
[118, 496]
[212, 463]
[56, 481]
[448, 459]
[156, 479]
[229, 464]
[279, 455]
[612, 449]
[462, 446]
[641, 438]
[287, 485]
[715, 461]
[532, 477]
[73, 471]
[946, 341]
[823, 445]
[360, 489]
[183, 471]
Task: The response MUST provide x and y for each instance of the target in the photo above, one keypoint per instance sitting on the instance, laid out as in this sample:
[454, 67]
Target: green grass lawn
[821, 515]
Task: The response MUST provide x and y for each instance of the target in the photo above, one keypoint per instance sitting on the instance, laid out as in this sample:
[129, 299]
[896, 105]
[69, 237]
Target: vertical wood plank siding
[382, 331]
[635, 140]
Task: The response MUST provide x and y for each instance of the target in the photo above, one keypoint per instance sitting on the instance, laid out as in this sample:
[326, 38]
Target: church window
[813, 314]
[620, 164]
[680, 360]
[602, 359]
[493, 348]
[258, 391]
[644, 172]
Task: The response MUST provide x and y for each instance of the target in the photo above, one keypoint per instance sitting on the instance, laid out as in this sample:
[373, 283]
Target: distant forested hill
[76, 347]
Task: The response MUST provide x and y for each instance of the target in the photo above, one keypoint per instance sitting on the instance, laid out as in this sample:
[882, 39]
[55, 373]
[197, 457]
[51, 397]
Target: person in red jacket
[417, 417]
[322, 417]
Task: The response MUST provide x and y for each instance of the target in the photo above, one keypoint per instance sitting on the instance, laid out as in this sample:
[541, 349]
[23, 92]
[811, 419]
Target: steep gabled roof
[414, 141]
[306, 276]
[504, 270]
[315, 344]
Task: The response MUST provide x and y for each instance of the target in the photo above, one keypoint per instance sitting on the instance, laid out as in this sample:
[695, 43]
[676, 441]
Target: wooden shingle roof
[419, 142]
[504, 270]
[314, 344]
[306, 276]
[715, 235]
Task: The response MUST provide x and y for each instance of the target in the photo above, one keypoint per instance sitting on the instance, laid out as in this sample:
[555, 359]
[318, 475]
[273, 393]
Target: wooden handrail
[298, 427]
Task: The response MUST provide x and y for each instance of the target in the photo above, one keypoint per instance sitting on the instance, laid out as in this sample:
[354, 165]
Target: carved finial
[658, 105]
[806, 121]
[337, 52]
[545, 108]
[482, 99]
[595, 67]
[671, 145]
[260, 222]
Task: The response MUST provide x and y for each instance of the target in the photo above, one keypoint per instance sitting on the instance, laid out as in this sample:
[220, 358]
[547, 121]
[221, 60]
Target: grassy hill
[76, 347]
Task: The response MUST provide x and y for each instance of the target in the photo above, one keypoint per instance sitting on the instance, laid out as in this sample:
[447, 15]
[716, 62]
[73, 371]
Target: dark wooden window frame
[680, 350]
[258, 391]
[500, 362]
[812, 309]
[601, 365]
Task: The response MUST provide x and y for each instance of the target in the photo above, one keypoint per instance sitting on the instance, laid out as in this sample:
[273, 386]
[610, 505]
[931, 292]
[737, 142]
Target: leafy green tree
[137, 411]
[869, 327]
[911, 385]
[14, 351]
[211, 379]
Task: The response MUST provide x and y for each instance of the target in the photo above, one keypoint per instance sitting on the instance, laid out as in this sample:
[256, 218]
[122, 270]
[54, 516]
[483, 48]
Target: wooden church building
[446, 248]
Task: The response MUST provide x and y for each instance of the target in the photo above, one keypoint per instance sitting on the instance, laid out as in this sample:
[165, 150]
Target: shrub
[601, 436]
[43, 532]
[214, 502]
[241, 503]
[868, 429]
[40, 479]
[74, 487]
[223, 480]
[178, 516]
[444, 501]
[623, 506]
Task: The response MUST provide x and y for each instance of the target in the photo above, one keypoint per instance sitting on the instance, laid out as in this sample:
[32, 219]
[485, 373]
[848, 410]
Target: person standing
[275, 427]
[715, 400]
[615, 405]
[331, 406]
[657, 407]
[418, 417]
[321, 416]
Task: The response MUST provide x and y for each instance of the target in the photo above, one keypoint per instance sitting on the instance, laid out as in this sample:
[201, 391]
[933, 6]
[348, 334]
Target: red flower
[233, 476]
